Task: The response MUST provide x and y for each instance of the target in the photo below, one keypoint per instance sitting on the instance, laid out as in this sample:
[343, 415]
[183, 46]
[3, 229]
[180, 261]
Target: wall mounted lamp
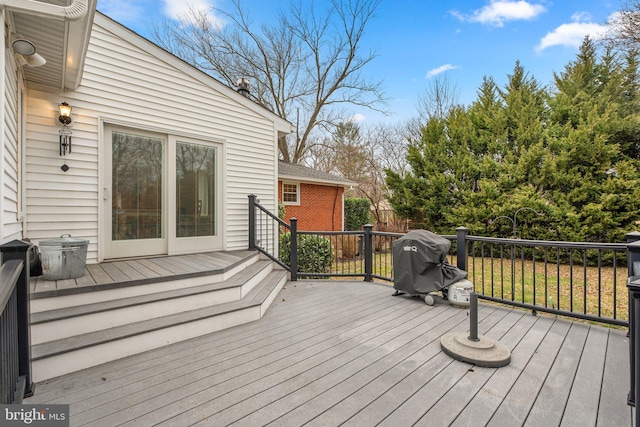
[26, 52]
[64, 117]
[65, 113]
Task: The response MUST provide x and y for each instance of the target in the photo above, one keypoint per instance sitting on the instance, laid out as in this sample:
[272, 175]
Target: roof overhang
[305, 174]
[60, 31]
[307, 180]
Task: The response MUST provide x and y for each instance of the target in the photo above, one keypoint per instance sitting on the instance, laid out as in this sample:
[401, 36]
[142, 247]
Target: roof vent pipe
[243, 87]
[73, 12]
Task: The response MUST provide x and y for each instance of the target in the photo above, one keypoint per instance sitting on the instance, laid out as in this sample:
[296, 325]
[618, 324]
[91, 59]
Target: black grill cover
[420, 263]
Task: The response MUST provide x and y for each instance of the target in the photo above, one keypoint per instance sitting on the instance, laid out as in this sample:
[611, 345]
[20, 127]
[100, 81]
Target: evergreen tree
[350, 159]
[570, 152]
[593, 120]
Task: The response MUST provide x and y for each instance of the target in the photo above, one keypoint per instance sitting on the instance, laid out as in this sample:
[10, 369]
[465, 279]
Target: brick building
[315, 198]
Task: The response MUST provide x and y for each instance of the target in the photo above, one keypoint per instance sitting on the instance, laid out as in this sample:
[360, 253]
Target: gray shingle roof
[304, 173]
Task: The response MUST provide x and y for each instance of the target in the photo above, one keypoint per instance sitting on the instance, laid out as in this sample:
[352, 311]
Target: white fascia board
[307, 180]
[78, 36]
[76, 10]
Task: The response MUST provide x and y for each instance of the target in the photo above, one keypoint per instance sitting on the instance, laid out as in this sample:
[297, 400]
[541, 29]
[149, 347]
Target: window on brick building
[290, 194]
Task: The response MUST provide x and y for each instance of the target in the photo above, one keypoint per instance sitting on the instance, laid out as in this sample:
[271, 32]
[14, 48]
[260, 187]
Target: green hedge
[356, 213]
[315, 253]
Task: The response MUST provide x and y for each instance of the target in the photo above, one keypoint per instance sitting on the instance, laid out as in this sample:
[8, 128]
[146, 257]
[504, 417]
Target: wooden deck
[135, 271]
[348, 353]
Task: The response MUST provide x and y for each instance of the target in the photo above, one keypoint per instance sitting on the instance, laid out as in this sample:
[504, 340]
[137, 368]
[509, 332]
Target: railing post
[633, 251]
[634, 345]
[633, 268]
[252, 222]
[461, 247]
[19, 250]
[293, 254]
[368, 253]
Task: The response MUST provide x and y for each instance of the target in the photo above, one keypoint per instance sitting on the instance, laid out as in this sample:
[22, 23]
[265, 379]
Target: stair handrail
[17, 384]
[254, 243]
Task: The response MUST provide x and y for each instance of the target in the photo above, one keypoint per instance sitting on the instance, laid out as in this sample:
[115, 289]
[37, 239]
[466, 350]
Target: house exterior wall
[129, 82]
[320, 208]
[10, 225]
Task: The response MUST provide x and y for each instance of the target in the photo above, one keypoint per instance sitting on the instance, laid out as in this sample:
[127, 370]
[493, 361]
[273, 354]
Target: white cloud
[582, 17]
[126, 11]
[176, 9]
[441, 69]
[357, 118]
[572, 34]
[497, 12]
[121, 10]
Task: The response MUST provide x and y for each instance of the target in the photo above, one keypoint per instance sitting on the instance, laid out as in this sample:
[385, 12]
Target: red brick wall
[320, 207]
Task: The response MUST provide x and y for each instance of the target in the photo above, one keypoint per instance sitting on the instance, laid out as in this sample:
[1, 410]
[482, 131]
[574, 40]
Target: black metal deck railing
[15, 345]
[575, 279]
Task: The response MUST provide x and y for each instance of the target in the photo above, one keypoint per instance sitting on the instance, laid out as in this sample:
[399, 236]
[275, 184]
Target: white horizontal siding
[11, 224]
[125, 85]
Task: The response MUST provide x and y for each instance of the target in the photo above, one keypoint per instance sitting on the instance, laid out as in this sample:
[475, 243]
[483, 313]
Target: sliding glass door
[195, 190]
[159, 206]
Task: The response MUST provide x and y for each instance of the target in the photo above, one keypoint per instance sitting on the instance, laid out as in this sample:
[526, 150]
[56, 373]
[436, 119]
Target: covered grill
[420, 264]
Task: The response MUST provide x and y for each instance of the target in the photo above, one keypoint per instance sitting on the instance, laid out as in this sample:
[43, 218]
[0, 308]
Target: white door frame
[172, 244]
[132, 247]
[182, 245]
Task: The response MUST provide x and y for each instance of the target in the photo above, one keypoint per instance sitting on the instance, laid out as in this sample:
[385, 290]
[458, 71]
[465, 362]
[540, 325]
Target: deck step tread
[65, 345]
[236, 280]
[102, 275]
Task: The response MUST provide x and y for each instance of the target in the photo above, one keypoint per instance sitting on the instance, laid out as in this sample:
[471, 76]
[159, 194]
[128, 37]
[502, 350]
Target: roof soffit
[63, 43]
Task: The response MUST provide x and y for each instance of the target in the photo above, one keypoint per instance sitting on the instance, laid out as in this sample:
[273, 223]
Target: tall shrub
[356, 213]
[315, 253]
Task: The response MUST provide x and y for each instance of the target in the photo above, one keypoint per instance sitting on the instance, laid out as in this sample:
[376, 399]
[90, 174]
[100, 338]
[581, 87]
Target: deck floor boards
[153, 266]
[142, 269]
[588, 379]
[129, 271]
[397, 377]
[347, 353]
[99, 275]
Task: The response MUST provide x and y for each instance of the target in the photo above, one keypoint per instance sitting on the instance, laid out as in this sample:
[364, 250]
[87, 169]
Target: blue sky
[417, 40]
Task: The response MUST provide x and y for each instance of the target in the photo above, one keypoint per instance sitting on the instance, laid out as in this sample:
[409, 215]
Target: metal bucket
[63, 258]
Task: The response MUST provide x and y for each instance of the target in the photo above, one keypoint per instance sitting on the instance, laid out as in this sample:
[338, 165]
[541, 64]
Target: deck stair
[78, 328]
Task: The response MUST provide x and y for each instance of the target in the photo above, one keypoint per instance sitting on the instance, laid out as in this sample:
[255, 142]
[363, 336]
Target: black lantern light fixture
[65, 133]
[65, 113]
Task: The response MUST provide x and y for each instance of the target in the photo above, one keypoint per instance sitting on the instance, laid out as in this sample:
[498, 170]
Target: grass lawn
[577, 288]
[588, 290]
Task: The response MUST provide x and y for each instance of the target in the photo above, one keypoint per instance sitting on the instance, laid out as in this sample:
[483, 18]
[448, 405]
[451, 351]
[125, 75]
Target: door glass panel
[195, 190]
[136, 186]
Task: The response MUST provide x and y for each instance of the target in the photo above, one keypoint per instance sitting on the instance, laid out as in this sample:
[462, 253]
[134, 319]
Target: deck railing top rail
[9, 273]
[548, 243]
[15, 351]
[580, 279]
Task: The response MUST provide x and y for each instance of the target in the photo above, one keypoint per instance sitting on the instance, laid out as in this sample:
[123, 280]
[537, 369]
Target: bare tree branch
[309, 60]
[624, 26]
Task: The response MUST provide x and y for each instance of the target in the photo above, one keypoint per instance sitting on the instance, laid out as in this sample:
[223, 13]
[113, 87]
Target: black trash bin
[420, 264]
